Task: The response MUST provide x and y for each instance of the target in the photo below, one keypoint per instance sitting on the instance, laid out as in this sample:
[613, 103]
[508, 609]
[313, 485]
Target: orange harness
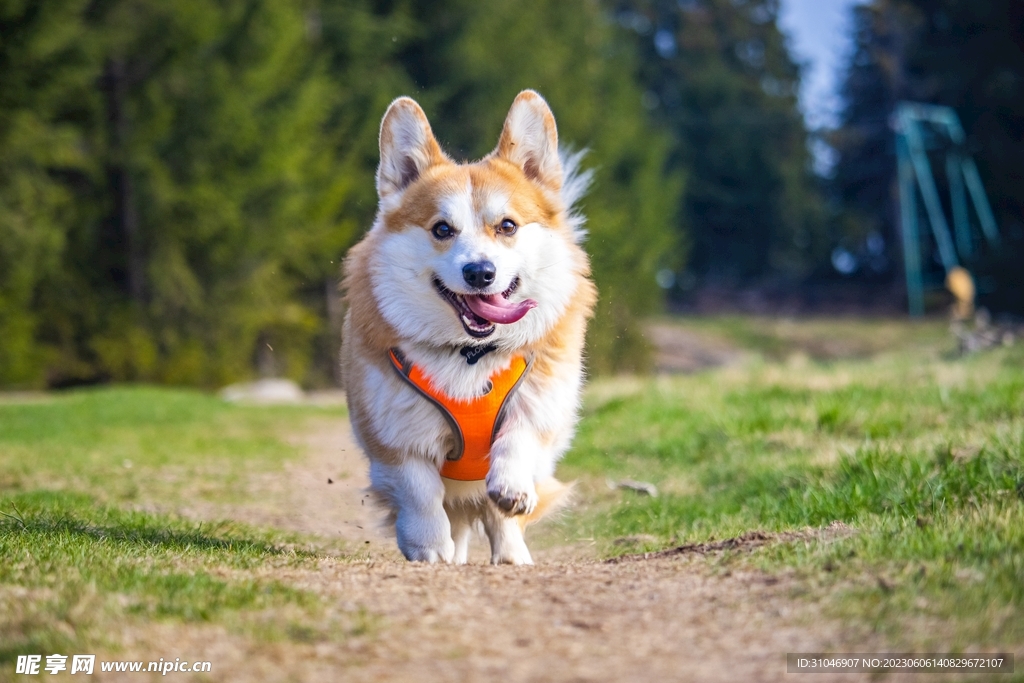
[474, 422]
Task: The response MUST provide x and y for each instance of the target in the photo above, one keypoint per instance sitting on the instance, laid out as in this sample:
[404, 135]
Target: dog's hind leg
[506, 535]
[414, 490]
[462, 529]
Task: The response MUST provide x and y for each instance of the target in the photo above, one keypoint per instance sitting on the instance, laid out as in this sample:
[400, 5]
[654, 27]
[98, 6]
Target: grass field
[82, 557]
[876, 425]
[920, 452]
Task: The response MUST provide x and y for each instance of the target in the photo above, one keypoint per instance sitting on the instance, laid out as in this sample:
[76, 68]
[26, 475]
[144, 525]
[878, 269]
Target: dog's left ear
[529, 140]
[407, 147]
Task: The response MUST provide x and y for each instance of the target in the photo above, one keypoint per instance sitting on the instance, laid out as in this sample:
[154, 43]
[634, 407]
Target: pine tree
[718, 75]
[179, 181]
[46, 68]
[864, 176]
[175, 186]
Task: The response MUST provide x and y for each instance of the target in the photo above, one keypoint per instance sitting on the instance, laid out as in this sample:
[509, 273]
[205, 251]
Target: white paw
[443, 552]
[425, 537]
[514, 556]
[512, 498]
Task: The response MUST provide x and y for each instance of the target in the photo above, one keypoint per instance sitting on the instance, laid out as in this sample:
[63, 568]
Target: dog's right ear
[529, 139]
[407, 147]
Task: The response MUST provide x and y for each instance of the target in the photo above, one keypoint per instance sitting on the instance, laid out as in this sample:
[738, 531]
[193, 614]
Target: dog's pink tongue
[497, 309]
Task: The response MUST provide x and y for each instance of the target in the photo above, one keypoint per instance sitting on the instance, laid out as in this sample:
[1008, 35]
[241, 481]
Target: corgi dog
[466, 307]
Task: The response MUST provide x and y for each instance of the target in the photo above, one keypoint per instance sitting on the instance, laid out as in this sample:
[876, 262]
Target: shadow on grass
[56, 513]
[78, 565]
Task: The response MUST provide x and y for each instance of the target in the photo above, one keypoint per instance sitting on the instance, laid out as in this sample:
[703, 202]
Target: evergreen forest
[180, 179]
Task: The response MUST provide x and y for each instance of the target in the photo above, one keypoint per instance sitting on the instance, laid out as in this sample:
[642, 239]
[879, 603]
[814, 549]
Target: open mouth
[479, 313]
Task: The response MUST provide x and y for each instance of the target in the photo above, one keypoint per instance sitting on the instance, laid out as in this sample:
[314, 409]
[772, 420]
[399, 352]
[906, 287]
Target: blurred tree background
[179, 181]
[718, 77]
[965, 55]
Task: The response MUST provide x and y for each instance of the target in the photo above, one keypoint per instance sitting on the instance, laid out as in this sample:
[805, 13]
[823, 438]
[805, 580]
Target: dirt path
[322, 495]
[325, 494]
[679, 350]
[660, 619]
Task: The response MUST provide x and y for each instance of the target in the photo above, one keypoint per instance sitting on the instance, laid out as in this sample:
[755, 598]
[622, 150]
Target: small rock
[265, 391]
[641, 487]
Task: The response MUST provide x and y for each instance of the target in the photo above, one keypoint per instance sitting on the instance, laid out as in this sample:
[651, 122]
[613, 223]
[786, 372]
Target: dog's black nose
[480, 274]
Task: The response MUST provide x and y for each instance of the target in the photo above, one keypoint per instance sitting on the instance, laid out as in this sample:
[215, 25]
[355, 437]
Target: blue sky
[818, 32]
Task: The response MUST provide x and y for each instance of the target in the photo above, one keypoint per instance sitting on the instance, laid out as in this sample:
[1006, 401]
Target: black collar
[475, 353]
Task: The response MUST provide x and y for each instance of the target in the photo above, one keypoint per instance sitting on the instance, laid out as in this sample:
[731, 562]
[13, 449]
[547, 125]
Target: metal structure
[919, 128]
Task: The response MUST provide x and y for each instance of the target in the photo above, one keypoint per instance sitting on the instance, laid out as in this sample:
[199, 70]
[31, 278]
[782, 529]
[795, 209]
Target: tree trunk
[126, 211]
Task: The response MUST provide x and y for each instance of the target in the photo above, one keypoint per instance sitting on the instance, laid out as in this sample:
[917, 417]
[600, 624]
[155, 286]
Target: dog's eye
[507, 227]
[442, 231]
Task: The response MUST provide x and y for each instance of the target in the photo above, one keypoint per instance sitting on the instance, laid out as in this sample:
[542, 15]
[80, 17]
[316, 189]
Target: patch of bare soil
[678, 350]
[751, 540]
[323, 494]
[660, 617]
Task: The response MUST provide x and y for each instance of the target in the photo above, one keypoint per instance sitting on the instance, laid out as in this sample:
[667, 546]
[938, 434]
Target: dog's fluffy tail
[552, 496]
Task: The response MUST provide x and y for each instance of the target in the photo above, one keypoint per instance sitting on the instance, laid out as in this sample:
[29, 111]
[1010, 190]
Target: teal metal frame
[915, 177]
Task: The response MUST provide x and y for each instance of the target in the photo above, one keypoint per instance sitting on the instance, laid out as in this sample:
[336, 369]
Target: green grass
[78, 564]
[920, 452]
[126, 443]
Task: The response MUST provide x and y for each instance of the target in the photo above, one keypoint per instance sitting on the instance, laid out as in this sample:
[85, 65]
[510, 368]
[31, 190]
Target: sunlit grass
[71, 566]
[127, 443]
[77, 564]
[919, 451]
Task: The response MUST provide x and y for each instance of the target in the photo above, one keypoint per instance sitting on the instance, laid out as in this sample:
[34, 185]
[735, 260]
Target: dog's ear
[407, 147]
[529, 140]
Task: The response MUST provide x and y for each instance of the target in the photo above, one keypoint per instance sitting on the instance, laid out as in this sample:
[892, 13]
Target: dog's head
[471, 252]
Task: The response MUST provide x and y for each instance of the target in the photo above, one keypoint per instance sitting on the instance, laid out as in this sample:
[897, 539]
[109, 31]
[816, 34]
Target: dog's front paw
[430, 555]
[425, 537]
[512, 499]
[518, 555]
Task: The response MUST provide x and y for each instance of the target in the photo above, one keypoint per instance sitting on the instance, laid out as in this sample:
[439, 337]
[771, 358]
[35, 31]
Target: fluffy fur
[392, 301]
